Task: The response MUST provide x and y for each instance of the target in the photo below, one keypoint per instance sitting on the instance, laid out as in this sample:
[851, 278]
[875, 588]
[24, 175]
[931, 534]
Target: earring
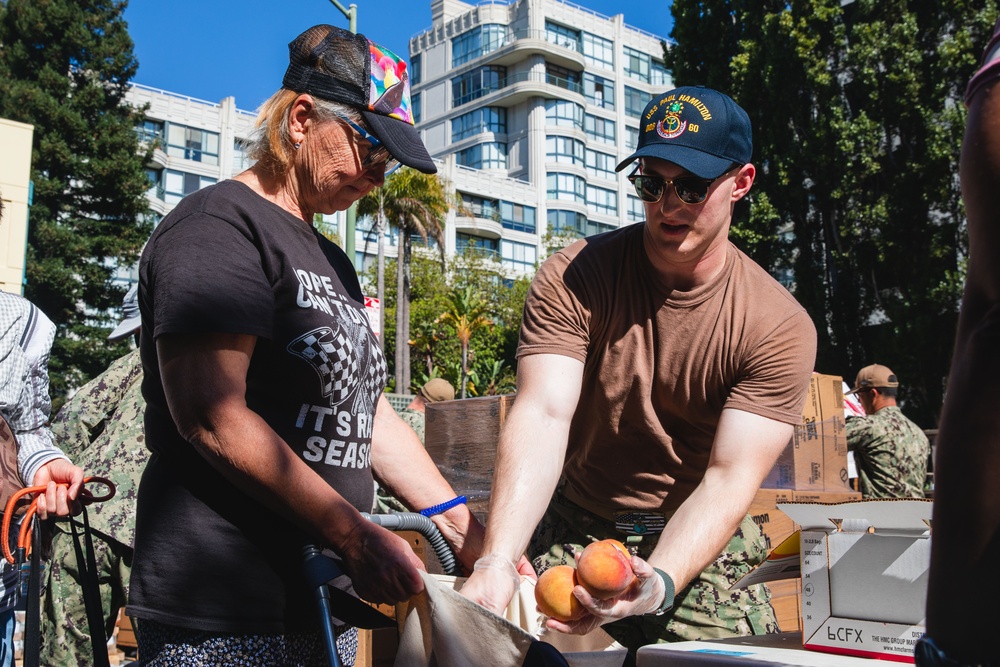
[296, 145]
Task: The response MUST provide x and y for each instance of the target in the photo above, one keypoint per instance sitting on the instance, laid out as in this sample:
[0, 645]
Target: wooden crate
[461, 437]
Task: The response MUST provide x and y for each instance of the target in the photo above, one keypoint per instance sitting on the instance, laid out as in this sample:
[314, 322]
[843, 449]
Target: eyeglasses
[689, 189]
[377, 153]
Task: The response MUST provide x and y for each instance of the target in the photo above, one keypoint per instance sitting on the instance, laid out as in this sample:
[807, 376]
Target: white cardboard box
[781, 650]
[864, 568]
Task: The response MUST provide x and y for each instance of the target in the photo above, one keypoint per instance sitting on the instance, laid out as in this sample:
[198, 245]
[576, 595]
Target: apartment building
[529, 105]
[526, 106]
[197, 143]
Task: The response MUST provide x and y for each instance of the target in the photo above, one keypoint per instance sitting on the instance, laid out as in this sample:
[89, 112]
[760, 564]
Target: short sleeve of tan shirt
[659, 366]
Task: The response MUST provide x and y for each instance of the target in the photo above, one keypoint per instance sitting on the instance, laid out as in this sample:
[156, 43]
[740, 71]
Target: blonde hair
[270, 143]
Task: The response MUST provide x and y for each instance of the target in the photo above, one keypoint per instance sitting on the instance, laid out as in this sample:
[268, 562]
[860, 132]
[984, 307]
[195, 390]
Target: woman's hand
[381, 564]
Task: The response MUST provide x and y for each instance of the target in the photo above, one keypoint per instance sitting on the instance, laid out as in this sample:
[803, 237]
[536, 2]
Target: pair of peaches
[604, 570]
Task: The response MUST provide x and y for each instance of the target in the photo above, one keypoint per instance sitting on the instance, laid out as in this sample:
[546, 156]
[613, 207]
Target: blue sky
[211, 49]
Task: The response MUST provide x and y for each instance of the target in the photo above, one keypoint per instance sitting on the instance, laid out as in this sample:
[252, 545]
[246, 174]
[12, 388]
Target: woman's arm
[204, 380]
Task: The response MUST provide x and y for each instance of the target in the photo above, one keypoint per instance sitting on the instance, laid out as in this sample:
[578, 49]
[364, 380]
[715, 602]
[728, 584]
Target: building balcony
[525, 43]
[471, 223]
[158, 159]
[521, 86]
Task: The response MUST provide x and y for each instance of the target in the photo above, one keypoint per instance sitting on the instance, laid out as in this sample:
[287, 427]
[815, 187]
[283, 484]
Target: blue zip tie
[444, 507]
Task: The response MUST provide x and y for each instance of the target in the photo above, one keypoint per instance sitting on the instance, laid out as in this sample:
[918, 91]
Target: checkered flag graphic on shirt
[344, 364]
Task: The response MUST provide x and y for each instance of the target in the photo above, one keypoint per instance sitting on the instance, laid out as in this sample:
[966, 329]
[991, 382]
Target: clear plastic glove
[645, 595]
[495, 580]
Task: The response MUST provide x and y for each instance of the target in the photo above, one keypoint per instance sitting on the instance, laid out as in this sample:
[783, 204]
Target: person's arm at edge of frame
[204, 379]
[530, 457]
[402, 464]
[966, 514]
[40, 462]
[745, 449]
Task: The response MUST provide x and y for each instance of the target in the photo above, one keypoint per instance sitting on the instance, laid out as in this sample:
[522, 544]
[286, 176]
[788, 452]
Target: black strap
[87, 566]
[33, 607]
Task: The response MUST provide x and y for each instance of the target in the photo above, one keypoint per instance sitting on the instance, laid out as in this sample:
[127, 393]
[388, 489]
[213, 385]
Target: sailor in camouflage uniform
[434, 390]
[890, 451]
[100, 427]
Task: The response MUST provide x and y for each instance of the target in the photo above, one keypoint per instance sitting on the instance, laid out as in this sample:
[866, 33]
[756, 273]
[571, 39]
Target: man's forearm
[530, 457]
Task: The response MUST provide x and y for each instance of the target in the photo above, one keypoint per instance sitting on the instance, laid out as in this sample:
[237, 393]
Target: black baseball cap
[697, 128]
[336, 65]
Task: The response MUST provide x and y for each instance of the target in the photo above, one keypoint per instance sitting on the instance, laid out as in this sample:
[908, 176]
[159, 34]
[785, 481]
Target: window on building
[240, 160]
[599, 91]
[635, 101]
[564, 149]
[602, 200]
[518, 256]
[562, 36]
[658, 74]
[179, 184]
[636, 212]
[599, 129]
[150, 131]
[598, 51]
[155, 178]
[416, 69]
[518, 217]
[192, 143]
[477, 82]
[488, 247]
[563, 77]
[416, 104]
[567, 222]
[562, 113]
[491, 155]
[600, 164]
[631, 138]
[567, 187]
[477, 42]
[480, 207]
[477, 121]
[637, 64]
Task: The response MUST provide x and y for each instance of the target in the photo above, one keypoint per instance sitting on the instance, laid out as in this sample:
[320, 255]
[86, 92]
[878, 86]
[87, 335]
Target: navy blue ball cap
[697, 128]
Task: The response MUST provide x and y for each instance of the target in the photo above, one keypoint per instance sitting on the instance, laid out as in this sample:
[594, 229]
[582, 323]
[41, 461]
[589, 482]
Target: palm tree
[416, 203]
[467, 313]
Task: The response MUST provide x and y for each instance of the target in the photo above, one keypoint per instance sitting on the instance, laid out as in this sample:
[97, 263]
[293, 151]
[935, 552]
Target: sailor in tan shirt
[660, 373]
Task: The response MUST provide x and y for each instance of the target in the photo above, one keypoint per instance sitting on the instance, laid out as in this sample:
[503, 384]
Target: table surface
[782, 650]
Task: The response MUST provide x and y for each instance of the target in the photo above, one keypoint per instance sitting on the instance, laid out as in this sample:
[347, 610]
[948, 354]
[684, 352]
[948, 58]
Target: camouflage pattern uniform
[706, 609]
[101, 429]
[891, 454]
[415, 419]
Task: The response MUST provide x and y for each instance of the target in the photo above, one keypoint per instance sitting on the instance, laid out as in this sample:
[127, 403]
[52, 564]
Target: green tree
[466, 314]
[857, 116]
[415, 203]
[64, 68]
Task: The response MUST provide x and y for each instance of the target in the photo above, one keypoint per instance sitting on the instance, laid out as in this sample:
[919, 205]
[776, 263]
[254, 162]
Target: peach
[554, 594]
[605, 569]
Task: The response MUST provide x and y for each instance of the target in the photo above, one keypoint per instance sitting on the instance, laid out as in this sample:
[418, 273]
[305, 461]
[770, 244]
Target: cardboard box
[778, 527]
[816, 457]
[778, 650]
[864, 568]
[461, 438]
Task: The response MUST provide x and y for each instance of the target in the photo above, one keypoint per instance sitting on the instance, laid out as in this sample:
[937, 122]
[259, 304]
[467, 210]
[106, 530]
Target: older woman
[263, 381]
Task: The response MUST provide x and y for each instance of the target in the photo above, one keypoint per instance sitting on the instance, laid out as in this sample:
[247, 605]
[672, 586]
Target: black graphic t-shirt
[228, 261]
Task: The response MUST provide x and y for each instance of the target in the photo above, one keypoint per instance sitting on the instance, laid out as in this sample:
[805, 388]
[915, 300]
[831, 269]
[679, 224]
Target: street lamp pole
[351, 12]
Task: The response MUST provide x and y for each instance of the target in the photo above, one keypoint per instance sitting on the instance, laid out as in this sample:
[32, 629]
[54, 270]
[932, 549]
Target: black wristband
[668, 594]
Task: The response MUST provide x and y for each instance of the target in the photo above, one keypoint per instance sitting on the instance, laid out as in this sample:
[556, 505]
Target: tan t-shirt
[660, 366]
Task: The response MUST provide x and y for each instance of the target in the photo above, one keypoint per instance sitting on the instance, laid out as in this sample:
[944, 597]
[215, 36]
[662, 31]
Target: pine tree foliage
[64, 68]
[858, 119]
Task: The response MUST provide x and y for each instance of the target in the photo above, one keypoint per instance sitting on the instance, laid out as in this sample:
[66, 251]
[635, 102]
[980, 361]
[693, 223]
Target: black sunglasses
[689, 189]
